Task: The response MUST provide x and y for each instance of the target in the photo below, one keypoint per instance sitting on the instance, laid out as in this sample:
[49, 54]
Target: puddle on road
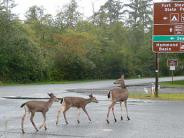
[107, 130]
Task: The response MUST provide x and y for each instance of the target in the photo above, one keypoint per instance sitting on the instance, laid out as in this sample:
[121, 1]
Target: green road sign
[168, 38]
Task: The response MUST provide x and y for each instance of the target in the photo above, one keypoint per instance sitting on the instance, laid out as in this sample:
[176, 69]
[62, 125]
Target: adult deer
[118, 94]
[37, 106]
[77, 102]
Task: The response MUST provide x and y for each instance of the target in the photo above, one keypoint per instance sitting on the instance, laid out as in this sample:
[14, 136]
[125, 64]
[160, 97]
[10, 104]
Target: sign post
[172, 63]
[168, 32]
[156, 74]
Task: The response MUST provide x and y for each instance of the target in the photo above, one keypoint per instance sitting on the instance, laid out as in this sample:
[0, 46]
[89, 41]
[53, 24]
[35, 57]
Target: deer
[118, 94]
[77, 102]
[37, 106]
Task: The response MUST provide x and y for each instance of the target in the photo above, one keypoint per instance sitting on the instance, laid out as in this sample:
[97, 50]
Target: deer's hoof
[128, 118]
[23, 132]
[107, 121]
[45, 128]
[78, 121]
[115, 120]
[121, 118]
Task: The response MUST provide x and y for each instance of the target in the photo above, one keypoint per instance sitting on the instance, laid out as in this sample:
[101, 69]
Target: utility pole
[156, 73]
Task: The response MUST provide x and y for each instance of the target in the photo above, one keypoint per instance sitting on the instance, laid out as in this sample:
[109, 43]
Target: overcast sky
[52, 6]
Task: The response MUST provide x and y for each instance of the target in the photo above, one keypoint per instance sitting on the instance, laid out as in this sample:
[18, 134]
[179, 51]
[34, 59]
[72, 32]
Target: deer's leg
[126, 110]
[45, 126]
[44, 121]
[22, 122]
[78, 116]
[64, 114]
[114, 114]
[59, 113]
[31, 119]
[84, 109]
[121, 110]
[112, 104]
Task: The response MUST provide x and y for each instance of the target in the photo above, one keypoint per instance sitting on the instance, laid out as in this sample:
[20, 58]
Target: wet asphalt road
[149, 119]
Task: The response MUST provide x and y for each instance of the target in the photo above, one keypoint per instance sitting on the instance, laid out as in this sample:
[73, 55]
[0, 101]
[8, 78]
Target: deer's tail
[109, 94]
[22, 105]
[62, 99]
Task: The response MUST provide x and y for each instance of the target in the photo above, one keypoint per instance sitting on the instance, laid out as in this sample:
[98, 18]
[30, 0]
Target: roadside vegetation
[46, 82]
[116, 39]
[162, 96]
[177, 84]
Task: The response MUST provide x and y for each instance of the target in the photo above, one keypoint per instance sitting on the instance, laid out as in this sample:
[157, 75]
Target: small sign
[174, 17]
[172, 63]
[172, 67]
[182, 17]
[182, 47]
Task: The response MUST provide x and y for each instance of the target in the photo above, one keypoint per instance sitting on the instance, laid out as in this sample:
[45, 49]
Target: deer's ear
[91, 95]
[50, 94]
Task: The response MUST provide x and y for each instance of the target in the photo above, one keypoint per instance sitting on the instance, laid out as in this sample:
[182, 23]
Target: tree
[110, 12]
[8, 4]
[39, 25]
[139, 13]
[69, 16]
[21, 60]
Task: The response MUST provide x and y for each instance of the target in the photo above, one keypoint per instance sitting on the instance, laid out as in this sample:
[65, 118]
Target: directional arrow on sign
[171, 38]
[165, 18]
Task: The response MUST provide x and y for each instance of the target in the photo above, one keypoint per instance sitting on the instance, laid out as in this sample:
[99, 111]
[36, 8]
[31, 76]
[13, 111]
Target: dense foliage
[114, 40]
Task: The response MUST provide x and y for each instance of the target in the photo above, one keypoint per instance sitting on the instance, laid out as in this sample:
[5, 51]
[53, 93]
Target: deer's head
[120, 81]
[53, 97]
[93, 99]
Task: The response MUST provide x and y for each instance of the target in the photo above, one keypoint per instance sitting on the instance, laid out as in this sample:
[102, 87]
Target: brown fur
[37, 106]
[77, 102]
[118, 94]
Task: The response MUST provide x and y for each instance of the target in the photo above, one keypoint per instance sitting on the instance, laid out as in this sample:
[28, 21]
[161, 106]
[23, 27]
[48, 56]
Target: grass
[45, 82]
[162, 96]
[175, 84]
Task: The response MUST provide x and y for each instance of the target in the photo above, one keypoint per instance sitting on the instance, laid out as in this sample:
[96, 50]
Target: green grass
[175, 84]
[163, 96]
[45, 82]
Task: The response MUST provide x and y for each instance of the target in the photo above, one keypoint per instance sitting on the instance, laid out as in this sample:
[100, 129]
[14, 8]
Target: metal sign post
[156, 74]
[172, 76]
[172, 68]
[172, 63]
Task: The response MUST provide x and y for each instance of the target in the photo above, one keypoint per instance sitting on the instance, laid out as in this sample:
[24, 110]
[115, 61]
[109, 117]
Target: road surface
[149, 119]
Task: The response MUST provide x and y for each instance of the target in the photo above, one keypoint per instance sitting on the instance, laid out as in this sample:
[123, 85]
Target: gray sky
[52, 6]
